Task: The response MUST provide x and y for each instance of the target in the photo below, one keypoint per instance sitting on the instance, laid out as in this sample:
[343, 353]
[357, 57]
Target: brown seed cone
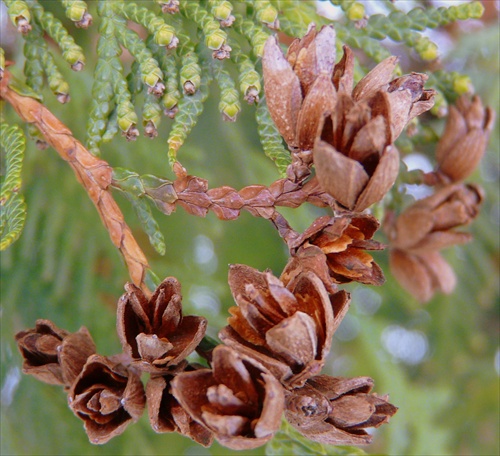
[167, 415]
[107, 397]
[429, 224]
[238, 399]
[288, 329]
[153, 331]
[334, 249]
[423, 274]
[299, 87]
[336, 411]
[354, 158]
[465, 138]
[54, 355]
[424, 228]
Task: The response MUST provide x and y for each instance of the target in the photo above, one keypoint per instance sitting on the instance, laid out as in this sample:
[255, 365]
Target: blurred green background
[440, 362]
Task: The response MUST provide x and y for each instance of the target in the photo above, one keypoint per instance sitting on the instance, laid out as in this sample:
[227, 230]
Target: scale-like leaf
[12, 206]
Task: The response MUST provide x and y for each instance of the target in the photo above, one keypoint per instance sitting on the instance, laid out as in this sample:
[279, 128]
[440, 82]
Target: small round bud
[462, 84]
[356, 12]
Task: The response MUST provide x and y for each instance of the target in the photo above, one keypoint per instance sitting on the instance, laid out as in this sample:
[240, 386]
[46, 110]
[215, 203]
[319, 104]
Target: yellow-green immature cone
[222, 11]
[268, 16]
[164, 36]
[215, 40]
[462, 84]
[427, 50]
[356, 12]
[76, 12]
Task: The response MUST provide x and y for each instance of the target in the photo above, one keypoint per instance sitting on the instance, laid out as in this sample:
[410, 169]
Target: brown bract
[426, 227]
[334, 249]
[465, 138]
[153, 331]
[336, 411]
[107, 397]
[429, 224]
[167, 415]
[288, 329]
[54, 355]
[238, 399]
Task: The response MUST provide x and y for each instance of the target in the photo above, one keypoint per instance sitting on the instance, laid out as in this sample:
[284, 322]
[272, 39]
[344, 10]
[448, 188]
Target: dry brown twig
[93, 173]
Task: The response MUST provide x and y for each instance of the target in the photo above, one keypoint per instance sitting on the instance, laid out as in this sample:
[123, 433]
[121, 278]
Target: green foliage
[12, 206]
[271, 140]
[75, 9]
[190, 108]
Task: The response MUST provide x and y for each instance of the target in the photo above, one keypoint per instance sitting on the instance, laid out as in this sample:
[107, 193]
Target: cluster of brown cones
[351, 130]
[268, 366]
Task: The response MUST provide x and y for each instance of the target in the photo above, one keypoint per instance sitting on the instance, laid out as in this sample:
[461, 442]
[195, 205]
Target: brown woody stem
[94, 174]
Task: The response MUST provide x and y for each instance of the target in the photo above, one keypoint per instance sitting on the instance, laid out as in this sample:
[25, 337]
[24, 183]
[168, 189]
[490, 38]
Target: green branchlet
[190, 71]
[19, 15]
[249, 78]
[255, 34]
[151, 73]
[77, 11]
[266, 13]
[164, 34]
[12, 205]
[214, 37]
[151, 116]
[138, 189]
[71, 52]
[108, 64]
[190, 108]
[172, 95]
[229, 104]
[222, 11]
[270, 138]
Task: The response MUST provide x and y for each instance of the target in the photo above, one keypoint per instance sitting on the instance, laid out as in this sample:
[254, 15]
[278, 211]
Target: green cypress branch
[71, 52]
[256, 35]
[190, 108]
[222, 11]
[249, 78]
[12, 205]
[77, 11]
[150, 71]
[164, 34]
[215, 38]
[229, 104]
[19, 15]
[270, 138]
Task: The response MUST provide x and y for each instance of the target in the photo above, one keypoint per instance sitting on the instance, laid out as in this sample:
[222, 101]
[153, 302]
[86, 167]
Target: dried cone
[336, 411]
[153, 331]
[298, 87]
[287, 329]
[422, 230]
[354, 157]
[334, 249]
[429, 224]
[167, 415]
[238, 399]
[54, 355]
[107, 397]
[465, 138]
